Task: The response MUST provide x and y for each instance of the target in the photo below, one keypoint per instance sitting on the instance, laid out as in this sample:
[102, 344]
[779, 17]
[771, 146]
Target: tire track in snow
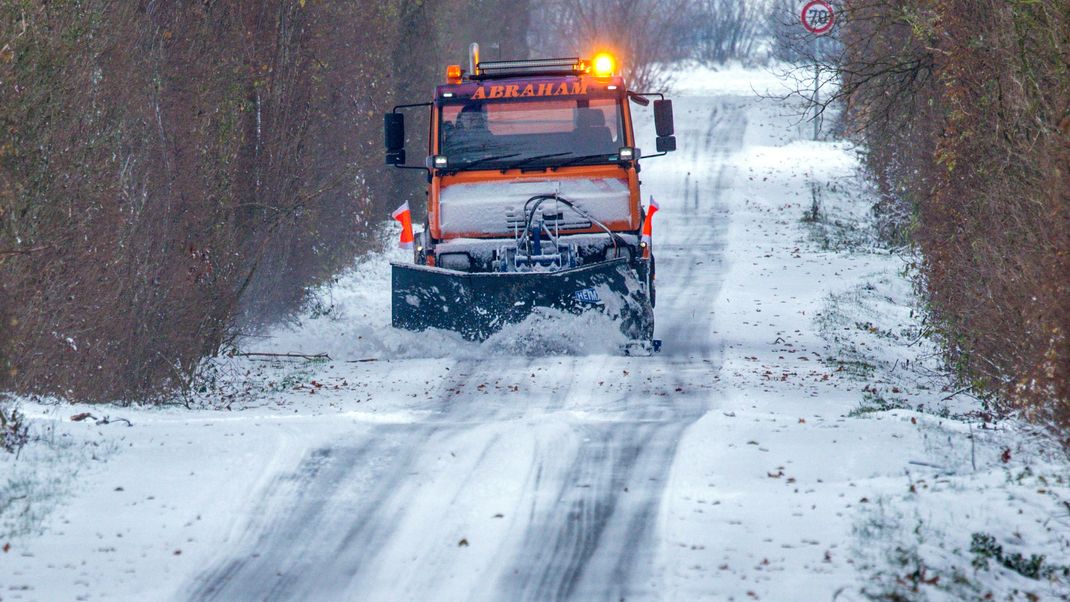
[568, 561]
[696, 241]
[299, 550]
[296, 539]
[594, 537]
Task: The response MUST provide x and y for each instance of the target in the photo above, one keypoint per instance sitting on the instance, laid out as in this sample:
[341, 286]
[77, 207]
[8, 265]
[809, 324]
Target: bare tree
[639, 32]
[716, 31]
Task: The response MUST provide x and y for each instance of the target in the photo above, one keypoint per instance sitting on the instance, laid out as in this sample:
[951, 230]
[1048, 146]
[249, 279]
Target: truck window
[522, 129]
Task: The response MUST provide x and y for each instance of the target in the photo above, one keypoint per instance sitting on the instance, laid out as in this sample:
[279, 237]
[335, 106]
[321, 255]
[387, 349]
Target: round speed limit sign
[818, 17]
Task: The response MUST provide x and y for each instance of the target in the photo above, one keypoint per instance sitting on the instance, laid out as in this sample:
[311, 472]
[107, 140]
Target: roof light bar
[561, 66]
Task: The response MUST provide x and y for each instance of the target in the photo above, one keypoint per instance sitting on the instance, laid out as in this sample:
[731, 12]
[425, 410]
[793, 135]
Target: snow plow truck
[533, 199]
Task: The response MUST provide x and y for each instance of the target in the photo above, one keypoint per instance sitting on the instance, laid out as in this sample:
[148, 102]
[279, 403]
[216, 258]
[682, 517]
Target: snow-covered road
[555, 492]
[737, 464]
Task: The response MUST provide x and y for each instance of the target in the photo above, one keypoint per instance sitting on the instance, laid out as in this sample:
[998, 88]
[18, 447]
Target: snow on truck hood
[493, 207]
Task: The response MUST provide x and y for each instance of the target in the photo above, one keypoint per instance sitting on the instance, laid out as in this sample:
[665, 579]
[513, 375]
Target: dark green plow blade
[478, 305]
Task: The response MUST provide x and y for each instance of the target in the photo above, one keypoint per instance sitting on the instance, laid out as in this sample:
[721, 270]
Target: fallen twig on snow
[927, 465]
[304, 356]
[105, 420]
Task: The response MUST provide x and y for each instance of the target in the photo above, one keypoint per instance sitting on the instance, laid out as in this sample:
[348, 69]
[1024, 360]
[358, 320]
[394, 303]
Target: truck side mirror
[666, 141]
[663, 118]
[394, 138]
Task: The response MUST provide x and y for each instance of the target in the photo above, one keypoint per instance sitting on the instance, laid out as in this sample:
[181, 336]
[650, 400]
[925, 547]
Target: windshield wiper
[580, 159]
[524, 162]
[471, 164]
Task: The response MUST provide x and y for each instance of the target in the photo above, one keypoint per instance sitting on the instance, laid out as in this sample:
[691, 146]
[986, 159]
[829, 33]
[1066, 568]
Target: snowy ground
[774, 450]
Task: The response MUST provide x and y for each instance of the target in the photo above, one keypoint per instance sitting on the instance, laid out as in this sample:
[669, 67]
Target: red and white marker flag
[648, 224]
[403, 215]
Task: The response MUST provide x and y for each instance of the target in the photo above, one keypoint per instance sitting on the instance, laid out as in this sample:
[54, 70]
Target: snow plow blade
[477, 305]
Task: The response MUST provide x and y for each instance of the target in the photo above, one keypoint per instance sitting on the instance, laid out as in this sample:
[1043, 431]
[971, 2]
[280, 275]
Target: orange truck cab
[533, 170]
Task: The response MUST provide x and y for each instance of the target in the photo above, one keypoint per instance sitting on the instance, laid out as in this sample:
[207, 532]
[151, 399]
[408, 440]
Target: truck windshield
[530, 133]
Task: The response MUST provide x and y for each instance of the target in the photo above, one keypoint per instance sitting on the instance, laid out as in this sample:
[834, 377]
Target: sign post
[818, 18]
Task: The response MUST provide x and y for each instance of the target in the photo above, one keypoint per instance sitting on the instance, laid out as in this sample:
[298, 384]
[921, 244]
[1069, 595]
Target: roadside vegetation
[963, 123]
[978, 510]
[172, 176]
[964, 110]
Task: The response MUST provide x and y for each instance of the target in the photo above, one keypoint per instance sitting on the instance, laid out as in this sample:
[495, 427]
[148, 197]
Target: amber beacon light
[454, 74]
[603, 64]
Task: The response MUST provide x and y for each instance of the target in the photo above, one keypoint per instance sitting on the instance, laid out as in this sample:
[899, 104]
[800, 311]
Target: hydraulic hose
[539, 199]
